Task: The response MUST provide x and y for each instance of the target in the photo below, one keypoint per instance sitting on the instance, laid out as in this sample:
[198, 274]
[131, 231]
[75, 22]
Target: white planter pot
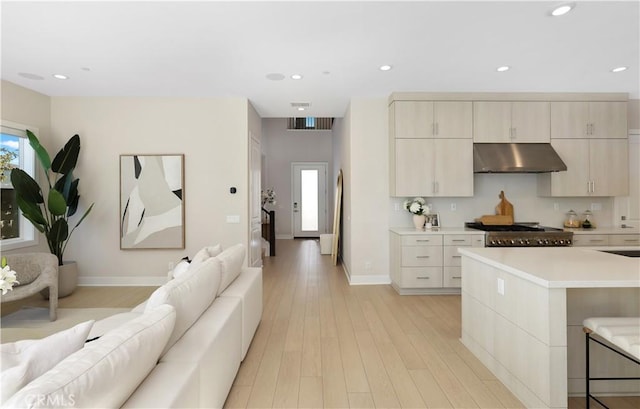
[67, 280]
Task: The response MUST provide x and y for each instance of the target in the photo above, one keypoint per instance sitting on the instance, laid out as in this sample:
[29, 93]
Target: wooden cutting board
[495, 220]
[504, 208]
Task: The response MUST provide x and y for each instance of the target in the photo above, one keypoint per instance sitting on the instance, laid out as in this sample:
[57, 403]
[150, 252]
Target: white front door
[309, 199]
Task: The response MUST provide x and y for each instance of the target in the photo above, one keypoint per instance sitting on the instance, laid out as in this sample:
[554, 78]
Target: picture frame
[152, 201]
[434, 219]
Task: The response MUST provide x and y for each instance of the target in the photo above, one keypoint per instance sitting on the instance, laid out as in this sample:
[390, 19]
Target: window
[16, 231]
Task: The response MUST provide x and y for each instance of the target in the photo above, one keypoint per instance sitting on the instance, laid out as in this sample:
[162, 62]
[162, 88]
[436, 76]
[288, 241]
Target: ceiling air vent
[310, 123]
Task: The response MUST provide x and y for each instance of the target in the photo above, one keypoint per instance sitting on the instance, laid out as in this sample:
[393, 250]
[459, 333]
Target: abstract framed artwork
[152, 202]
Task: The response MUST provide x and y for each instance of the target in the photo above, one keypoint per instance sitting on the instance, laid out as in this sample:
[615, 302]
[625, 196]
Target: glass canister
[572, 220]
[587, 220]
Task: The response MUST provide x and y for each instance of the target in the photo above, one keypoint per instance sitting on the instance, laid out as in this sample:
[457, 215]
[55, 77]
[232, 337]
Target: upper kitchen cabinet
[511, 122]
[432, 167]
[431, 119]
[583, 119]
[595, 167]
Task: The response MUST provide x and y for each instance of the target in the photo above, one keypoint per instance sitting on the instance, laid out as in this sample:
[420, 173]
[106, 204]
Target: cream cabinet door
[453, 167]
[583, 119]
[608, 119]
[530, 122]
[413, 119]
[491, 121]
[414, 167]
[569, 119]
[575, 181]
[453, 119]
[609, 167]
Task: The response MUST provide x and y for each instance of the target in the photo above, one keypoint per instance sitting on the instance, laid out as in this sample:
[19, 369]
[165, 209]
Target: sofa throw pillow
[23, 361]
[205, 253]
[180, 269]
[230, 265]
[106, 371]
[190, 296]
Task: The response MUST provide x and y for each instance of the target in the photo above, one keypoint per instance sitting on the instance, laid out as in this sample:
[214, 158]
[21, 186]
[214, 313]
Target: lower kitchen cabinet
[611, 240]
[428, 263]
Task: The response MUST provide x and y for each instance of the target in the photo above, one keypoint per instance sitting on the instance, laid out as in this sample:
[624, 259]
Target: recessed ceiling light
[296, 77]
[562, 9]
[60, 77]
[300, 108]
[503, 68]
[385, 67]
[619, 69]
[275, 76]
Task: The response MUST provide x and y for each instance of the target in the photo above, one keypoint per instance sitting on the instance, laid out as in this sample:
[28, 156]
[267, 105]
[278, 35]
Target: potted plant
[51, 217]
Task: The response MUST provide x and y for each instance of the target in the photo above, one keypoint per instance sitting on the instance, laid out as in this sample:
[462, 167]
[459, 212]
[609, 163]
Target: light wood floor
[323, 343]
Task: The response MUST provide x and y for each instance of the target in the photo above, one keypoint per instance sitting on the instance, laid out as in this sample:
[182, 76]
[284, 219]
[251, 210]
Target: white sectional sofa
[214, 309]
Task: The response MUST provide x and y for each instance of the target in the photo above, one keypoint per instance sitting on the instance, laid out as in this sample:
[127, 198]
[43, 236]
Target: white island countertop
[562, 267]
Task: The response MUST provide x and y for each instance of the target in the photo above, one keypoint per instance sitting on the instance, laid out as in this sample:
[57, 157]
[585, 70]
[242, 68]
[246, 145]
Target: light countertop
[435, 230]
[562, 267]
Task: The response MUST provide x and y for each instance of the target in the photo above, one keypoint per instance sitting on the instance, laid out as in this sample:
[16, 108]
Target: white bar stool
[620, 332]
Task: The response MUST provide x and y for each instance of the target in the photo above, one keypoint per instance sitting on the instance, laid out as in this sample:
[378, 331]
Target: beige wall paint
[634, 114]
[369, 191]
[213, 136]
[282, 147]
[29, 108]
[345, 165]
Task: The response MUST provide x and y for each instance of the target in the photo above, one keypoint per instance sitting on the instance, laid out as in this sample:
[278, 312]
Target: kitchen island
[522, 312]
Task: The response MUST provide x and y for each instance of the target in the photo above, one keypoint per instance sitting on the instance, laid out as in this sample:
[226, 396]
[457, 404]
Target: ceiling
[227, 49]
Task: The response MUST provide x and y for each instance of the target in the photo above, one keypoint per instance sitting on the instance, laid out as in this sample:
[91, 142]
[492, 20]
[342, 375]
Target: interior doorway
[309, 198]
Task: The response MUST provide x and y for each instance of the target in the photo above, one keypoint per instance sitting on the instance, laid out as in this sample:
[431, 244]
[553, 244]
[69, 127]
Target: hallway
[323, 343]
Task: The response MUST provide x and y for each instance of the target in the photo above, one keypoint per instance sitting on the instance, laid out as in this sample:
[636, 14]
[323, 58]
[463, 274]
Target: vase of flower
[419, 208]
[419, 220]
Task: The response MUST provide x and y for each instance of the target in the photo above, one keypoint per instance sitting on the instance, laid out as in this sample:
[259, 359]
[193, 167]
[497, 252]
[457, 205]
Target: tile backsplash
[520, 190]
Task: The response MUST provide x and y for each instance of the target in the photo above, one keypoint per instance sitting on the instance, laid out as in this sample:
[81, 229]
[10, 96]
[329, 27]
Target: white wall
[368, 191]
[345, 165]
[213, 135]
[281, 147]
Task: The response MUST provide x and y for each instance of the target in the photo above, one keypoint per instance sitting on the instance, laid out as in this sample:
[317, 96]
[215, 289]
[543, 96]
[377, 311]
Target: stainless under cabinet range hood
[516, 158]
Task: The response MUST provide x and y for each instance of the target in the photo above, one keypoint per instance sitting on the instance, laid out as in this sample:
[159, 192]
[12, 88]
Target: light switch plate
[500, 286]
[233, 219]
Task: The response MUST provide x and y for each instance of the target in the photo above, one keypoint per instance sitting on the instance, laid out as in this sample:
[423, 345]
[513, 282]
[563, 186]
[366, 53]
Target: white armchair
[34, 272]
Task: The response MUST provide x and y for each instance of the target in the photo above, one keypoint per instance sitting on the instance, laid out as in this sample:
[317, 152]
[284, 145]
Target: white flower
[416, 206]
[268, 196]
[7, 279]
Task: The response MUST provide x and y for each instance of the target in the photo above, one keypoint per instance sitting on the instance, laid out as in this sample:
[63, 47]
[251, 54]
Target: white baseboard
[284, 236]
[136, 281]
[365, 279]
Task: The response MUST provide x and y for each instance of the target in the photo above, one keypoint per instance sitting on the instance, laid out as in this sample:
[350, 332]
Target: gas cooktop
[510, 227]
[523, 235]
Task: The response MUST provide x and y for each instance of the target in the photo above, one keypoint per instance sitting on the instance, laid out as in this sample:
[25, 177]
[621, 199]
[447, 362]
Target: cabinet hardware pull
[631, 240]
[456, 256]
[456, 278]
[423, 241]
[422, 256]
[422, 278]
[458, 240]
[437, 128]
[595, 240]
